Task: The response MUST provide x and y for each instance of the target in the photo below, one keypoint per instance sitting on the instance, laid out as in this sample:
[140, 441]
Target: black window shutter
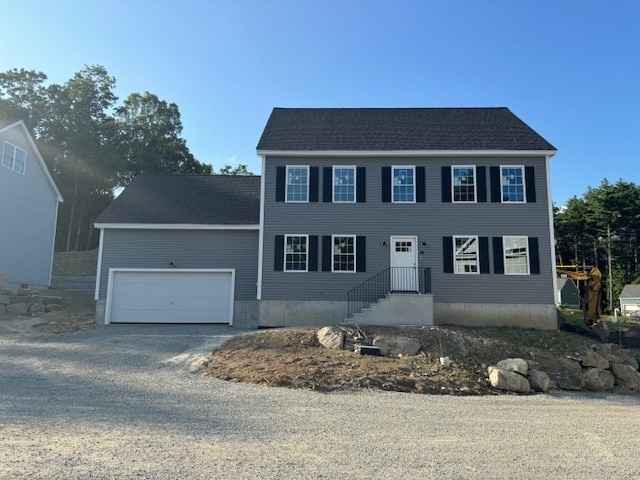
[421, 195]
[386, 184]
[498, 255]
[313, 184]
[446, 184]
[530, 184]
[484, 254]
[326, 253]
[313, 253]
[281, 173]
[361, 184]
[327, 179]
[447, 254]
[534, 256]
[481, 173]
[361, 254]
[278, 254]
[496, 194]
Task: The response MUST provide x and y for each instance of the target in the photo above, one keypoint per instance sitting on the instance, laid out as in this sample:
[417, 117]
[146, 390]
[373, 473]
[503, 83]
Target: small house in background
[568, 293]
[630, 300]
[29, 202]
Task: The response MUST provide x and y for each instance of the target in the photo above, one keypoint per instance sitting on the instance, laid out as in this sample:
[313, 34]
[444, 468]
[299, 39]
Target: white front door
[404, 264]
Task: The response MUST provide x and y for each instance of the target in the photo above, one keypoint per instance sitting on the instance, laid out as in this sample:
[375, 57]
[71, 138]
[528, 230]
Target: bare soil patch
[294, 358]
[72, 264]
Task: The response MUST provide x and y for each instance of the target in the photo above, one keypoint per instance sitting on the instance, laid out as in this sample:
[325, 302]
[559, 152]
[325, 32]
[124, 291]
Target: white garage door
[170, 296]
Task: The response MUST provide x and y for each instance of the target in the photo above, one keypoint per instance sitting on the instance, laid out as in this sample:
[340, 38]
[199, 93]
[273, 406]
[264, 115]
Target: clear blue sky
[570, 69]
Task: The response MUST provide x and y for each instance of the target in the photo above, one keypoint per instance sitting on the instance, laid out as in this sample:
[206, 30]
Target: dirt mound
[75, 264]
[294, 358]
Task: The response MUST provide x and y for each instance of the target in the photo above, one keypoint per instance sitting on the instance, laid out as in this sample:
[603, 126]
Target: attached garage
[170, 296]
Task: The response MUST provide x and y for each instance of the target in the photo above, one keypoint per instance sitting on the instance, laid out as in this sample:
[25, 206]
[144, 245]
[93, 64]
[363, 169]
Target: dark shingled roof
[187, 199]
[380, 129]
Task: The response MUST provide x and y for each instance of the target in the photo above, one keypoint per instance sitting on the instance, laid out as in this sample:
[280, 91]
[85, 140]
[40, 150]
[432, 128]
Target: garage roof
[398, 129]
[187, 199]
[630, 291]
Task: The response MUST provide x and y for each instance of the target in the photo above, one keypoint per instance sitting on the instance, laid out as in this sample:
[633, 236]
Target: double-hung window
[344, 184]
[14, 158]
[404, 184]
[464, 184]
[516, 255]
[296, 253]
[466, 254]
[512, 184]
[344, 253]
[297, 184]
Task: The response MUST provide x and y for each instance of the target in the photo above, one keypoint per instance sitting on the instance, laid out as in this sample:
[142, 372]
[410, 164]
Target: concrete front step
[397, 309]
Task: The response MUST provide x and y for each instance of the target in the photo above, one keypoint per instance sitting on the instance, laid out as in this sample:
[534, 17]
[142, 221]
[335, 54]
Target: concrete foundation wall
[543, 317]
[299, 313]
[398, 309]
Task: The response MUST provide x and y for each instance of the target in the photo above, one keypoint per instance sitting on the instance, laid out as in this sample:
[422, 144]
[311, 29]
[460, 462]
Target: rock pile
[344, 338]
[602, 368]
[27, 303]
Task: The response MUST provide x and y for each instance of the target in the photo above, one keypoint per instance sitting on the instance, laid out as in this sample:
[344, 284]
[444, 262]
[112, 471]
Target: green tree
[239, 169]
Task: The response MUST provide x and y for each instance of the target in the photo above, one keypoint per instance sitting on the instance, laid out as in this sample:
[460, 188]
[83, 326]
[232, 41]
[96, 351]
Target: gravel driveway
[120, 403]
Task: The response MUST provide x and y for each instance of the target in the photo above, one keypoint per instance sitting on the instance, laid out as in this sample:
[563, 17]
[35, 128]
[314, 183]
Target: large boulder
[392, 346]
[4, 300]
[51, 299]
[591, 359]
[331, 337]
[517, 365]
[539, 381]
[508, 380]
[53, 307]
[626, 376]
[17, 309]
[598, 379]
[566, 373]
[36, 308]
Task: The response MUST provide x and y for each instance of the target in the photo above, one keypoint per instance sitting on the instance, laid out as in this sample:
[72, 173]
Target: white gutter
[552, 237]
[99, 266]
[406, 153]
[173, 226]
[261, 231]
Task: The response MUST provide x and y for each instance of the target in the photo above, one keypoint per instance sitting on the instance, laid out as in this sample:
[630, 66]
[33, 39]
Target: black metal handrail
[393, 279]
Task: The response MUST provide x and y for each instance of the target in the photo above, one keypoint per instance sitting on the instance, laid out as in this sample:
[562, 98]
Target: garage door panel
[171, 297]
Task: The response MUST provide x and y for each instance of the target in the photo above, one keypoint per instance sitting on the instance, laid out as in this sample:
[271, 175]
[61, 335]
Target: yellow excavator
[592, 288]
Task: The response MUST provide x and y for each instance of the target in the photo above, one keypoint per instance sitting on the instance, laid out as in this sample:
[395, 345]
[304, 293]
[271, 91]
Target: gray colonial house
[29, 202]
[376, 216]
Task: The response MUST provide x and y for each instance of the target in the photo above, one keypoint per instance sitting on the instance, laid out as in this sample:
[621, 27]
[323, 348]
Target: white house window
[464, 184]
[512, 184]
[404, 186]
[516, 255]
[14, 158]
[466, 254]
[344, 184]
[295, 253]
[297, 184]
[344, 253]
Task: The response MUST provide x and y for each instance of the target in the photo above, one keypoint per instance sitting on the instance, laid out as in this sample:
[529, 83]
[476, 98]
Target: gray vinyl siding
[27, 218]
[429, 221]
[187, 249]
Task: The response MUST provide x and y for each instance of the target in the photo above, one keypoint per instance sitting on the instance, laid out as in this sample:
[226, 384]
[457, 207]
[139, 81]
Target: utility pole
[609, 267]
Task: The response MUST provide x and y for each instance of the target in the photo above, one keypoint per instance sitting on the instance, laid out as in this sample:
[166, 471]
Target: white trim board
[407, 153]
[173, 226]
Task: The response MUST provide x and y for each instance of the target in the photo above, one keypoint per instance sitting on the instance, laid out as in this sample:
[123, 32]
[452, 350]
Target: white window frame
[286, 183]
[333, 237]
[524, 185]
[455, 263]
[504, 254]
[14, 157]
[284, 266]
[333, 183]
[398, 167]
[453, 184]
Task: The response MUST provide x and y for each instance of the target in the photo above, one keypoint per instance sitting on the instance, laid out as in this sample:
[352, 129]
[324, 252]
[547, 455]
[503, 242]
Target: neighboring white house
[630, 300]
[29, 202]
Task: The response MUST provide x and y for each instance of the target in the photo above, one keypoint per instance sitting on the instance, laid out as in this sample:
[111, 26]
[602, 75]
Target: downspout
[552, 237]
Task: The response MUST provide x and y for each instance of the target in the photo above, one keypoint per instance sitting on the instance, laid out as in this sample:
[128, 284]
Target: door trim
[113, 271]
[392, 240]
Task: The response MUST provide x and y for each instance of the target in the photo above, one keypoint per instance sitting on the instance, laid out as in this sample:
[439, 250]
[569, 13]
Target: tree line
[602, 228]
[94, 145]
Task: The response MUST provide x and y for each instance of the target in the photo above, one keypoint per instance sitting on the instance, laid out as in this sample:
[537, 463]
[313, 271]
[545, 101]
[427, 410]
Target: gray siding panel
[429, 221]
[188, 249]
[27, 218]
